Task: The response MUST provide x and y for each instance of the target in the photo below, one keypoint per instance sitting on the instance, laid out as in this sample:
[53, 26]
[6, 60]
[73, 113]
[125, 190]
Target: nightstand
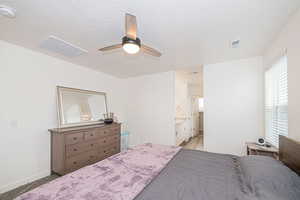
[255, 149]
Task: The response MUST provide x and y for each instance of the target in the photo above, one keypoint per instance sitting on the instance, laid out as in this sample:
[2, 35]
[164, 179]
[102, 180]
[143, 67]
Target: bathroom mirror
[80, 107]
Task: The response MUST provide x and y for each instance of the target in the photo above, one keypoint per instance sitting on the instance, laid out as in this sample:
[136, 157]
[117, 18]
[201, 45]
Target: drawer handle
[104, 151]
[74, 138]
[74, 149]
[104, 141]
[91, 134]
[92, 145]
[74, 162]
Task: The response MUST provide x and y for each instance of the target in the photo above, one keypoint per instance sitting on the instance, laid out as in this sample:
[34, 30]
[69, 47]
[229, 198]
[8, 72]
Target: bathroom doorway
[189, 108]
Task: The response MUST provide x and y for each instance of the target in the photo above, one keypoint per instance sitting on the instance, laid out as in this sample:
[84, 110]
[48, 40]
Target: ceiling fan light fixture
[130, 43]
[131, 46]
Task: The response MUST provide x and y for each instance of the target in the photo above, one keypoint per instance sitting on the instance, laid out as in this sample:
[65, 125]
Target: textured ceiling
[188, 33]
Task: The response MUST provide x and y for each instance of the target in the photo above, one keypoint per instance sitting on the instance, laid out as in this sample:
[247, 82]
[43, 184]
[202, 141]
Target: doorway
[196, 141]
[189, 109]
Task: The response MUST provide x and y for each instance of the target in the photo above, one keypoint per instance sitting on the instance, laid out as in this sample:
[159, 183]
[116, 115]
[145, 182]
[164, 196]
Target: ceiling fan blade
[130, 26]
[150, 51]
[112, 47]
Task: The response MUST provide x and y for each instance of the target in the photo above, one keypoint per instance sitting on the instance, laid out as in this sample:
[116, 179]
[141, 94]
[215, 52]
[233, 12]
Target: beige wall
[289, 39]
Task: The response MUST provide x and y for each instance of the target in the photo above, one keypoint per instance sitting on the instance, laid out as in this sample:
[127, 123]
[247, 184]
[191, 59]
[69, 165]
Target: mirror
[80, 107]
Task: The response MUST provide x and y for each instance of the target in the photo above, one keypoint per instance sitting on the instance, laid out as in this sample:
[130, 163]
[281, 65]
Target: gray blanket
[197, 175]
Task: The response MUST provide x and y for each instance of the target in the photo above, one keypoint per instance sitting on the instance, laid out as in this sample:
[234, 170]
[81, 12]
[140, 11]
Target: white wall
[183, 127]
[150, 110]
[289, 39]
[28, 108]
[28, 83]
[196, 90]
[181, 95]
[233, 107]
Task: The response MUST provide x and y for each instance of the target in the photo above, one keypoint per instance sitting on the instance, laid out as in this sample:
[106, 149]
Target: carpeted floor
[10, 195]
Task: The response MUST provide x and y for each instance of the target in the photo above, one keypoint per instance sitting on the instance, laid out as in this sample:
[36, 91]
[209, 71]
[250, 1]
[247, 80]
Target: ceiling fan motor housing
[126, 40]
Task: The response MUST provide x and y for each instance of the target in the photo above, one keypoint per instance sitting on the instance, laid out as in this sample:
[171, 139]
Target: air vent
[60, 46]
[235, 43]
[7, 11]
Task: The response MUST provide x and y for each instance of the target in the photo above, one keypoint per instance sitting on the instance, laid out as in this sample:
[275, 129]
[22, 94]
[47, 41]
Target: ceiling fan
[131, 44]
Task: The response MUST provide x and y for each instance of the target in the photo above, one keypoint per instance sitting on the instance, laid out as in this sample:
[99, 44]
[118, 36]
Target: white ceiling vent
[235, 43]
[7, 11]
[60, 46]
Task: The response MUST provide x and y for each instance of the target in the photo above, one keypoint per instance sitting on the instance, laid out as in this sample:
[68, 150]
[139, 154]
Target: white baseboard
[24, 181]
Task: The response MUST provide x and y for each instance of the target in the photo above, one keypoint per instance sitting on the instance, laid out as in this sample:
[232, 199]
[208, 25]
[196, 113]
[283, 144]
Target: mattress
[197, 175]
[156, 172]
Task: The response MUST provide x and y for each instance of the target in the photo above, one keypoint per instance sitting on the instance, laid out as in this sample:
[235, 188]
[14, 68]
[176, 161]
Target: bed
[155, 172]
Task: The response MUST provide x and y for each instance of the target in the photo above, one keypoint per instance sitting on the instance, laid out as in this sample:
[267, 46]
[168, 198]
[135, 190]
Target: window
[276, 101]
[201, 104]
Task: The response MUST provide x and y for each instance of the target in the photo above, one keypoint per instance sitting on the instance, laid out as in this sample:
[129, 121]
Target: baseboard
[24, 181]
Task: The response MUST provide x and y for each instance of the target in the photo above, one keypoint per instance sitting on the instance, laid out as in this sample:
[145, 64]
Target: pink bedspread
[120, 177]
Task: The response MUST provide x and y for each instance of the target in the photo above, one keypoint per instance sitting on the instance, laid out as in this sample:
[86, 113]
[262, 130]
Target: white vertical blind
[276, 101]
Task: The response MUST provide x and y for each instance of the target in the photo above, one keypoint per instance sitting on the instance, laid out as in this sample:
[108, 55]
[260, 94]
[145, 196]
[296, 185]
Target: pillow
[268, 178]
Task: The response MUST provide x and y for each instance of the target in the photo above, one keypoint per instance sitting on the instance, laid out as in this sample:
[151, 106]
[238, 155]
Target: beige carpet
[10, 195]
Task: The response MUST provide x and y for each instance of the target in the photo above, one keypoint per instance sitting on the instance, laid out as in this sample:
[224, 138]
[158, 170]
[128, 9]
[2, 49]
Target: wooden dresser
[76, 147]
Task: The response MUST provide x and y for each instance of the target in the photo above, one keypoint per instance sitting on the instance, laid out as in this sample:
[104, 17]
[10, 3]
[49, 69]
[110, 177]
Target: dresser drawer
[82, 159]
[109, 140]
[92, 157]
[74, 138]
[114, 139]
[102, 132]
[102, 142]
[75, 162]
[76, 149]
[115, 130]
[109, 151]
[91, 135]
[113, 149]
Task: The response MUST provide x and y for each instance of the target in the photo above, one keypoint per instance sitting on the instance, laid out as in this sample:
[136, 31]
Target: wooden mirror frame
[60, 106]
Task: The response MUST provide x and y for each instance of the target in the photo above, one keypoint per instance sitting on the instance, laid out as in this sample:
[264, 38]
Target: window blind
[276, 101]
